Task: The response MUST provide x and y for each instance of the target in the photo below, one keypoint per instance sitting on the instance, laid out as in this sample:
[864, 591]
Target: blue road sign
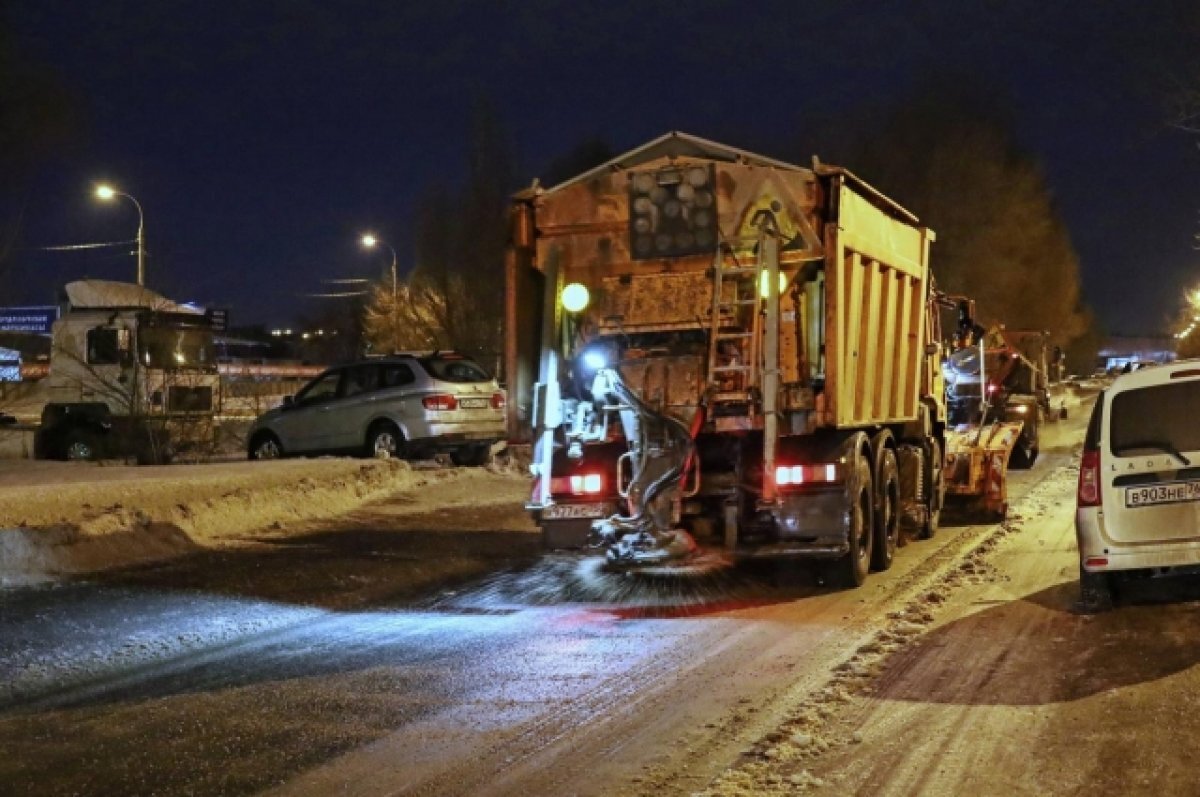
[33, 320]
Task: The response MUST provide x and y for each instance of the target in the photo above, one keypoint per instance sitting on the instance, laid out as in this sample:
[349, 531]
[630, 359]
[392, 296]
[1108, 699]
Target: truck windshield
[167, 347]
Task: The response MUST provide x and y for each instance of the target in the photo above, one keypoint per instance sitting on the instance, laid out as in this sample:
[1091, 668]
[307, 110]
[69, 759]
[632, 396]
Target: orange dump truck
[719, 353]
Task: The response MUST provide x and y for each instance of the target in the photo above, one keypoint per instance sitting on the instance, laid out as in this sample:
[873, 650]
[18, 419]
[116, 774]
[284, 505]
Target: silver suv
[401, 405]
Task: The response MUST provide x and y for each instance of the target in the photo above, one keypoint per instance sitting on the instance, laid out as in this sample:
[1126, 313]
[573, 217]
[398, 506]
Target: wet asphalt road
[333, 663]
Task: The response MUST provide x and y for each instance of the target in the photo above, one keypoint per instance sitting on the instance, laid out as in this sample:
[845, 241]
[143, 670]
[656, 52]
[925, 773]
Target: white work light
[575, 297]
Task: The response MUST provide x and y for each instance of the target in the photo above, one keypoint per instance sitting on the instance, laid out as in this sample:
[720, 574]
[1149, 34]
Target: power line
[71, 247]
[334, 295]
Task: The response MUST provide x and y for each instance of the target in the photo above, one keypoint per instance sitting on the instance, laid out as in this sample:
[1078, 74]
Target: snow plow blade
[976, 470]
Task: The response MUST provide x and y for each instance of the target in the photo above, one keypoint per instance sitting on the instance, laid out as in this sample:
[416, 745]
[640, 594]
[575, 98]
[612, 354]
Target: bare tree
[452, 299]
[415, 317]
[949, 154]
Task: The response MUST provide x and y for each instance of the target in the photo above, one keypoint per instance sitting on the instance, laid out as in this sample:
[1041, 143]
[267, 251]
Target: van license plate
[1168, 493]
[574, 511]
[474, 403]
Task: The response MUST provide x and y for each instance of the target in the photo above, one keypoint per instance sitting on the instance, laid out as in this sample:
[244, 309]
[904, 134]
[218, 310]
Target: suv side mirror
[288, 401]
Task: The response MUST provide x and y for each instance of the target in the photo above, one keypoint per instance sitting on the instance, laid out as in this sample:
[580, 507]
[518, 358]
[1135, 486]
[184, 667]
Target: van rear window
[1145, 420]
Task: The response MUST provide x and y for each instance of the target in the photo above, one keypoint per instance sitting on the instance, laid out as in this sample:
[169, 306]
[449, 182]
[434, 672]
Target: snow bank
[82, 518]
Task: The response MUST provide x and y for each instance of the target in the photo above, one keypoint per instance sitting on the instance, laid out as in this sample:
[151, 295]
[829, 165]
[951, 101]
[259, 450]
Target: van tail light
[440, 401]
[1089, 479]
[497, 400]
[577, 484]
[798, 475]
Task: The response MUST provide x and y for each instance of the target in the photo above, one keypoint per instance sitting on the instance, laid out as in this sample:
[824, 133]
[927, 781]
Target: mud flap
[914, 510]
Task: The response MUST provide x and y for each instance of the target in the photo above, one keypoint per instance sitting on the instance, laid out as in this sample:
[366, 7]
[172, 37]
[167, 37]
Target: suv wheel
[384, 440]
[265, 446]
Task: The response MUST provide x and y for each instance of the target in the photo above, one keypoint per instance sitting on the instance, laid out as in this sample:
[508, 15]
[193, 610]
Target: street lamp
[369, 241]
[106, 193]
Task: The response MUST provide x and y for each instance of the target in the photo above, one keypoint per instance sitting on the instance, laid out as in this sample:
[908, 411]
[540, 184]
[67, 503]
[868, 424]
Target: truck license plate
[1168, 493]
[474, 403]
[574, 511]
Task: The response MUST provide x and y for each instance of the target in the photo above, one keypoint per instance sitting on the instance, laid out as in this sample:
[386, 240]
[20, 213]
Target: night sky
[262, 137]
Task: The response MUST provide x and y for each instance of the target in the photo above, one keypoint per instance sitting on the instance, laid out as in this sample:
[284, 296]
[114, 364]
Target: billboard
[32, 320]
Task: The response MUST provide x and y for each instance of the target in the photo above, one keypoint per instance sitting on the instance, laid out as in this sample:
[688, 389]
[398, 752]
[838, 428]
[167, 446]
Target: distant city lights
[281, 332]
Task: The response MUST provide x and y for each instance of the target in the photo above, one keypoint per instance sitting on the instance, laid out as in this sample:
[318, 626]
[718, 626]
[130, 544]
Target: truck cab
[149, 360]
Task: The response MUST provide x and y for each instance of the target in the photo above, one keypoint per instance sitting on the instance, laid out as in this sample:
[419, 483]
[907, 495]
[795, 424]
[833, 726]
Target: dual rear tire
[875, 512]
[851, 570]
[887, 511]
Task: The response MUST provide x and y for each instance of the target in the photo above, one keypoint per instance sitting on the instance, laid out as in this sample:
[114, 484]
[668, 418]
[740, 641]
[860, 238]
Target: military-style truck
[712, 350]
[131, 372]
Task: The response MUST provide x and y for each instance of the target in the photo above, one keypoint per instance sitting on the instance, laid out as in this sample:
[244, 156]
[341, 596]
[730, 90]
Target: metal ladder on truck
[743, 351]
[735, 335]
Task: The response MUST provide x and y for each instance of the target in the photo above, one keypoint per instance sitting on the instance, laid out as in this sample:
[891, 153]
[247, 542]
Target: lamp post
[107, 193]
[369, 241]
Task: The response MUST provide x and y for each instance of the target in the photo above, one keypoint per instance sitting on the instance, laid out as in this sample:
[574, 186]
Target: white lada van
[1138, 504]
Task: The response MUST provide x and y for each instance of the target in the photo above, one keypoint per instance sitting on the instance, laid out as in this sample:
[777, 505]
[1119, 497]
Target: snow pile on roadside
[125, 516]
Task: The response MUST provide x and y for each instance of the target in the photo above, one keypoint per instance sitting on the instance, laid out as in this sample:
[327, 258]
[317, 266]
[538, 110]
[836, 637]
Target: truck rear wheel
[79, 446]
[851, 570]
[935, 490]
[887, 511]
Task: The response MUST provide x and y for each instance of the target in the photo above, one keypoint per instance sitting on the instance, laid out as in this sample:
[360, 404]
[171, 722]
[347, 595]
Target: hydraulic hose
[681, 436]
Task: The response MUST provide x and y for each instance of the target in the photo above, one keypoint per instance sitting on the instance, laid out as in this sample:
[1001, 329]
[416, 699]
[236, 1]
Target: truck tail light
[440, 402]
[1089, 479]
[577, 484]
[587, 484]
[497, 400]
[797, 475]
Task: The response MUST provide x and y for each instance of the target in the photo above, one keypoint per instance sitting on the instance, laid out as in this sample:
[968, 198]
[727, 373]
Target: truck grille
[181, 398]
